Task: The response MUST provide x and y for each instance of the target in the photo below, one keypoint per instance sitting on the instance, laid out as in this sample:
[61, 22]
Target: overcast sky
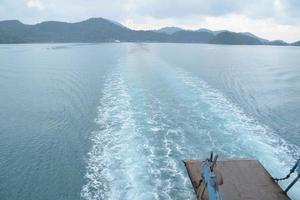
[271, 19]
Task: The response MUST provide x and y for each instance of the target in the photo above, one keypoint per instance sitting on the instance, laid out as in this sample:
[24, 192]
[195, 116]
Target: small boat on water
[240, 179]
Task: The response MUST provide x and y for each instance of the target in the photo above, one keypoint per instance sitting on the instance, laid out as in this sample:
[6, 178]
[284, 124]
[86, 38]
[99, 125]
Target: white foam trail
[114, 160]
[135, 154]
[168, 149]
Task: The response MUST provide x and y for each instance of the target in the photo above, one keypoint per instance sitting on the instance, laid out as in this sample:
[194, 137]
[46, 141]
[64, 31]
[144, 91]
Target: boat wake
[236, 134]
[114, 157]
[131, 156]
[143, 135]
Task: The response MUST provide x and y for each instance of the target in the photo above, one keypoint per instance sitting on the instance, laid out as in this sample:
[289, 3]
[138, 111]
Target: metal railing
[296, 167]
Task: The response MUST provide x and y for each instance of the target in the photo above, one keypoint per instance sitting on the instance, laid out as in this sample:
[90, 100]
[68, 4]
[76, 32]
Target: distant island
[104, 30]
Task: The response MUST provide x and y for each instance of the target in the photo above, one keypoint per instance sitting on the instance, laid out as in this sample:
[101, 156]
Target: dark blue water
[114, 121]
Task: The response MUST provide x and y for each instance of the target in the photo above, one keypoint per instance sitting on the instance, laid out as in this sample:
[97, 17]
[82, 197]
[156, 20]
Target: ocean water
[114, 121]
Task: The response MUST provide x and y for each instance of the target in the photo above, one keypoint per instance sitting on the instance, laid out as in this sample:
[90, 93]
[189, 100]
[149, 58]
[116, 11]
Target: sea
[115, 120]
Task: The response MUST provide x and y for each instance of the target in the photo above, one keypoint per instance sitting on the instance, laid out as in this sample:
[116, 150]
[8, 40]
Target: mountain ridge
[105, 30]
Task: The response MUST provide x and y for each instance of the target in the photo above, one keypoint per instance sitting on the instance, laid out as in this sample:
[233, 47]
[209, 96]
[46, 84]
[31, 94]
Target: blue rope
[209, 179]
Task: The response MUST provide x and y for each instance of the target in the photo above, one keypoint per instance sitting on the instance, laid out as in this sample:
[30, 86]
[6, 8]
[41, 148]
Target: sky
[270, 19]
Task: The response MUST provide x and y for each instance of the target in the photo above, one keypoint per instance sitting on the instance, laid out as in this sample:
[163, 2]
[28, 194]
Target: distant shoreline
[100, 30]
[192, 43]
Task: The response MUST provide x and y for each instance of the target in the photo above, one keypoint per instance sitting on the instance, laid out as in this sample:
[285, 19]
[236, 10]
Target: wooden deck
[243, 180]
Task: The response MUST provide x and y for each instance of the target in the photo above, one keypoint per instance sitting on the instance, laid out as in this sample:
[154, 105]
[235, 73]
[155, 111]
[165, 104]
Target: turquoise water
[114, 121]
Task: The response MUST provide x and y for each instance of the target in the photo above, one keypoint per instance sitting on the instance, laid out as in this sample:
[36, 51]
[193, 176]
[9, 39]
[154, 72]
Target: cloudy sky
[272, 19]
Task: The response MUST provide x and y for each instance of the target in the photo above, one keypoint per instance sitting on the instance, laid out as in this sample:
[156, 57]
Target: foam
[138, 148]
[110, 156]
[132, 159]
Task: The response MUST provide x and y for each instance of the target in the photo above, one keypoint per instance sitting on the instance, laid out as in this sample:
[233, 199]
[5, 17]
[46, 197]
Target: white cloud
[265, 28]
[35, 4]
[273, 19]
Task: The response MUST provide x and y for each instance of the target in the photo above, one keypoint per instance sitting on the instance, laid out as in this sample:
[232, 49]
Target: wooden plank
[243, 180]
